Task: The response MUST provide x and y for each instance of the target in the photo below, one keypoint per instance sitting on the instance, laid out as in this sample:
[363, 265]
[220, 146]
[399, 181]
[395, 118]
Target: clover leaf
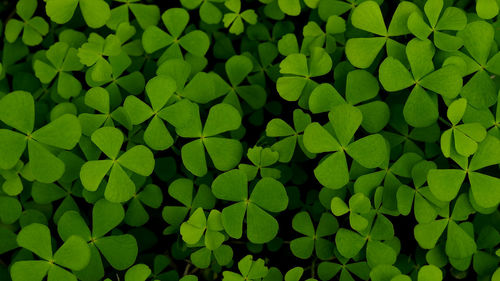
[120, 251]
[61, 60]
[367, 16]
[74, 254]
[298, 70]
[249, 270]
[234, 19]
[370, 151]
[119, 187]
[314, 239]
[146, 15]
[208, 10]
[290, 136]
[224, 152]
[18, 111]
[175, 20]
[33, 28]
[452, 19]
[267, 195]
[421, 108]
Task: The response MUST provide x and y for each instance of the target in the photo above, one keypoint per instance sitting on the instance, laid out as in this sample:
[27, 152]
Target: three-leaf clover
[463, 138]
[314, 239]
[361, 52]
[268, 194]
[485, 189]
[359, 205]
[146, 15]
[234, 19]
[17, 110]
[60, 60]
[290, 136]
[337, 137]
[195, 42]
[33, 28]
[261, 159]
[92, 54]
[224, 152]
[421, 107]
[74, 254]
[159, 90]
[149, 195]
[119, 187]
[182, 190]
[120, 251]
[298, 70]
[452, 19]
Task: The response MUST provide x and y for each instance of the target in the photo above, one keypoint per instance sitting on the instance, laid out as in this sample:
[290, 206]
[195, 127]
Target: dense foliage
[249, 140]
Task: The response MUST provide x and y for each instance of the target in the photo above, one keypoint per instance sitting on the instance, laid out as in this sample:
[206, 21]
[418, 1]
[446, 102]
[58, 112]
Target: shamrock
[208, 10]
[465, 136]
[298, 70]
[47, 193]
[460, 244]
[159, 90]
[133, 82]
[314, 240]
[359, 205]
[33, 28]
[261, 159]
[327, 270]
[421, 108]
[264, 64]
[478, 37]
[314, 36]
[249, 270]
[286, 146]
[237, 69]
[234, 19]
[119, 250]
[17, 110]
[95, 12]
[149, 195]
[175, 20]
[361, 86]
[92, 55]
[453, 19]
[225, 153]
[60, 60]
[146, 15]
[446, 183]
[99, 99]
[425, 205]
[182, 190]
[74, 254]
[198, 226]
[119, 187]
[268, 194]
[369, 152]
[361, 52]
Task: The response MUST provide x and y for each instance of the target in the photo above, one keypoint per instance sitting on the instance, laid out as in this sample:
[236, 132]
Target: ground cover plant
[261, 140]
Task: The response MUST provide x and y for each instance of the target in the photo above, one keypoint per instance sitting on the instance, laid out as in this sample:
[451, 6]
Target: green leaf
[109, 140]
[456, 110]
[12, 146]
[421, 108]
[193, 157]
[64, 132]
[119, 188]
[105, 217]
[194, 228]
[231, 186]
[73, 254]
[261, 226]
[478, 37]
[290, 7]
[430, 272]
[36, 238]
[445, 183]
[29, 270]
[138, 272]
[270, 195]
[370, 151]
[459, 244]
[238, 68]
[225, 153]
[349, 243]
[221, 118]
[333, 172]
[367, 16]
[317, 139]
[120, 251]
[17, 110]
[428, 234]
[44, 165]
[138, 159]
[361, 52]
[485, 189]
[394, 76]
